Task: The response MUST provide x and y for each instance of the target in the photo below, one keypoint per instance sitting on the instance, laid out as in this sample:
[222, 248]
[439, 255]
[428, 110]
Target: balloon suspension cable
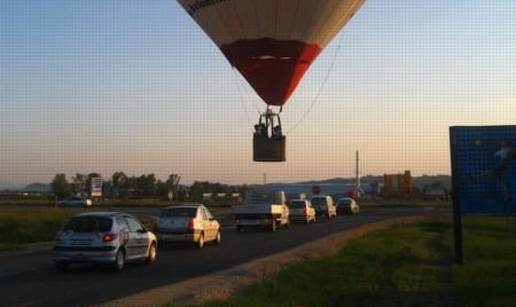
[245, 91]
[319, 92]
[242, 103]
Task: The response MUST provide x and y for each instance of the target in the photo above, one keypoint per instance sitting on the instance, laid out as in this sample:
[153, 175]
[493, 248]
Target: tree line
[123, 186]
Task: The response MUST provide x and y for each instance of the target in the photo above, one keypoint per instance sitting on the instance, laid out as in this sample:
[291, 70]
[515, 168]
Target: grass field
[409, 265]
[23, 227]
[35, 225]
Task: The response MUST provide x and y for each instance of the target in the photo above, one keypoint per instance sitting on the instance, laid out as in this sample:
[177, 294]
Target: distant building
[398, 185]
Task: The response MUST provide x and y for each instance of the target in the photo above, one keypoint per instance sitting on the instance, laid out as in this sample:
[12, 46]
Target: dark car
[347, 205]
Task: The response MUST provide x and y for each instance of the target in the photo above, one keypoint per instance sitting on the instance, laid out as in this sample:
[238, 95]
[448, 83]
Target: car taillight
[305, 211]
[190, 225]
[108, 237]
[58, 237]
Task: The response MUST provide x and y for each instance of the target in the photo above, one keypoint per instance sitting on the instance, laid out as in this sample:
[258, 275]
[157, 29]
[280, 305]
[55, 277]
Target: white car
[302, 210]
[324, 206]
[75, 201]
[347, 205]
[187, 223]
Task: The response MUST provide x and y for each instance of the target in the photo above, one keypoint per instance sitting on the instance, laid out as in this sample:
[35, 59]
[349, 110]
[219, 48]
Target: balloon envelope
[272, 43]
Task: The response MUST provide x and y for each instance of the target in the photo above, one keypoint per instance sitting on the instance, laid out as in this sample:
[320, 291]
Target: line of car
[114, 238]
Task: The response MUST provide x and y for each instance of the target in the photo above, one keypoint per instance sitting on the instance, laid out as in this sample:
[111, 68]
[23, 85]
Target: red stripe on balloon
[272, 67]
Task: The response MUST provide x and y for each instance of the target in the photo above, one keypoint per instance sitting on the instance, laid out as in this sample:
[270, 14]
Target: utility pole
[357, 170]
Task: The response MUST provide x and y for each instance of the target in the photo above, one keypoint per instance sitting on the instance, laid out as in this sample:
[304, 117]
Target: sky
[136, 86]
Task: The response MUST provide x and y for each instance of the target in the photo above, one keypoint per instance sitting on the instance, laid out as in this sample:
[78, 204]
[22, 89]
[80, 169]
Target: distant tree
[197, 189]
[146, 185]
[162, 189]
[181, 194]
[119, 179]
[60, 186]
[79, 182]
[173, 182]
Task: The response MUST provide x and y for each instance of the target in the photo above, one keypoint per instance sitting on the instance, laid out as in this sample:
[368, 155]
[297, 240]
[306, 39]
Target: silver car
[302, 210]
[187, 223]
[103, 237]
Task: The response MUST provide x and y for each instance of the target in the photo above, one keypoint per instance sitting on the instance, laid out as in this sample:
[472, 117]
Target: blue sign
[484, 168]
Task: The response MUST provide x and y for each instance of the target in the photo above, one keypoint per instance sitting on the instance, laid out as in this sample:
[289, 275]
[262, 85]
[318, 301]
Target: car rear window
[179, 212]
[297, 204]
[319, 201]
[89, 224]
[344, 202]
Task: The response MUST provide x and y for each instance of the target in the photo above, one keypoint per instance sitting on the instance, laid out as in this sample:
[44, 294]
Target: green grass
[410, 265]
[26, 227]
[19, 227]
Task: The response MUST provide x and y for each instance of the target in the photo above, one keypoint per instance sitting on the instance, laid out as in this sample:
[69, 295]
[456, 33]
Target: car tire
[119, 263]
[200, 242]
[287, 225]
[218, 238]
[153, 253]
[62, 266]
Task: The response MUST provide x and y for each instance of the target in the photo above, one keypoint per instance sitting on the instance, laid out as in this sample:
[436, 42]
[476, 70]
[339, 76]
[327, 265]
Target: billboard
[96, 187]
[484, 169]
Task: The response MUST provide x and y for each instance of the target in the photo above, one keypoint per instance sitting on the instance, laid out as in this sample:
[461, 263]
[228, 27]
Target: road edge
[222, 284]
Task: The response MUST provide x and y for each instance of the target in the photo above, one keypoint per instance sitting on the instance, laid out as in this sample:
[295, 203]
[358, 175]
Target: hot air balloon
[272, 43]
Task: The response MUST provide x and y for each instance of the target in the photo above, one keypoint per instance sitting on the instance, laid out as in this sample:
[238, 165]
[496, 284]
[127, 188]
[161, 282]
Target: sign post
[457, 215]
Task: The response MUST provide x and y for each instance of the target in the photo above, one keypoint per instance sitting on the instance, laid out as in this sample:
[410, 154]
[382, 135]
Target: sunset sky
[136, 86]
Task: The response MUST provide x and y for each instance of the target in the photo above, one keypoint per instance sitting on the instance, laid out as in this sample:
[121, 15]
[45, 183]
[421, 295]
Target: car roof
[101, 213]
[188, 205]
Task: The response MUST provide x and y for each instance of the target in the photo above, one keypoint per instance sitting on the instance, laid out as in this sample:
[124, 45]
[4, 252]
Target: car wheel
[273, 226]
[153, 253]
[218, 238]
[119, 261]
[287, 225]
[62, 266]
[200, 243]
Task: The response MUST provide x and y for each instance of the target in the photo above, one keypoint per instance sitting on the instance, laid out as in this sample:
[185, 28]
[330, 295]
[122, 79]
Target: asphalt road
[29, 279]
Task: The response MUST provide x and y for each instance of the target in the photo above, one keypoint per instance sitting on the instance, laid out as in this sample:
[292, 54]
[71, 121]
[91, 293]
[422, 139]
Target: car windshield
[89, 224]
[344, 202]
[179, 212]
[319, 201]
[297, 204]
